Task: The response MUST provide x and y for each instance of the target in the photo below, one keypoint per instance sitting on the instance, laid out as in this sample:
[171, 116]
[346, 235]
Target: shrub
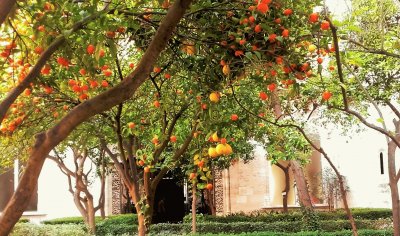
[68, 220]
[113, 219]
[23, 220]
[118, 224]
[358, 213]
[307, 233]
[23, 229]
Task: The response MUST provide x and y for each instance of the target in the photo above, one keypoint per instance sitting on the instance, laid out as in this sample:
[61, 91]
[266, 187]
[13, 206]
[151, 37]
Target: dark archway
[169, 204]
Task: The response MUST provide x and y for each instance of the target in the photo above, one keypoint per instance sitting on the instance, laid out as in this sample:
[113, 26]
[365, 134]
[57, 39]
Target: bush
[307, 233]
[358, 213]
[113, 219]
[23, 220]
[68, 220]
[24, 229]
[117, 224]
[239, 227]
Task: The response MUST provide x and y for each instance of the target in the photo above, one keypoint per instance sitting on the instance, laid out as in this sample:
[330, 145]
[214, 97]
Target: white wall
[54, 198]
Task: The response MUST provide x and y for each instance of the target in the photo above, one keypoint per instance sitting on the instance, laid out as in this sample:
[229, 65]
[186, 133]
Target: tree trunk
[45, 142]
[286, 190]
[394, 190]
[194, 201]
[91, 219]
[5, 8]
[210, 202]
[27, 185]
[142, 229]
[301, 183]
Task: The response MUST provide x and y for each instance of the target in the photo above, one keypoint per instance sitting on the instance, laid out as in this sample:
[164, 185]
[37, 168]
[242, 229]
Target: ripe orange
[223, 140]
[173, 139]
[320, 60]
[131, 125]
[38, 50]
[262, 7]
[90, 49]
[209, 186]
[287, 12]
[263, 96]
[157, 70]
[326, 95]
[110, 34]
[272, 38]
[41, 28]
[146, 169]
[325, 25]
[107, 72]
[104, 84]
[200, 164]
[214, 97]
[102, 53]
[234, 117]
[272, 87]
[257, 28]
[239, 53]
[156, 104]
[192, 175]
[313, 17]
[285, 33]
[82, 72]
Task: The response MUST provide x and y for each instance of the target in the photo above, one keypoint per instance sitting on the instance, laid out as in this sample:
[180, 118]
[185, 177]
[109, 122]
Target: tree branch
[5, 9]
[177, 154]
[44, 57]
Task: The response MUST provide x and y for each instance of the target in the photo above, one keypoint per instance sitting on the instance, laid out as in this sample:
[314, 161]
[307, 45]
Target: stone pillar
[116, 189]
[218, 192]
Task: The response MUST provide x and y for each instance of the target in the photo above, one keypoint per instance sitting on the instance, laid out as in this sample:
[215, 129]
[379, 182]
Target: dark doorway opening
[169, 202]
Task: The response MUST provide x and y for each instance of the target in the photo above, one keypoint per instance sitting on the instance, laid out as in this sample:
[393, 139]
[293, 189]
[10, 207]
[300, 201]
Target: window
[8, 183]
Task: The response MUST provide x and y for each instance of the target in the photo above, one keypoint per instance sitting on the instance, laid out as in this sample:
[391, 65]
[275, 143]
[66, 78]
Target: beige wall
[246, 185]
[257, 184]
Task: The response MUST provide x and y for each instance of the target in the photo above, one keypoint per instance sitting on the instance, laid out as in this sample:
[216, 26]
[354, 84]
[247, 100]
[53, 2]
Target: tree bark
[46, 141]
[286, 190]
[91, 218]
[5, 9]
[394, 190]
[298, 174]
[194, 201]
[210, 202]
[142, 229]
[301, 183]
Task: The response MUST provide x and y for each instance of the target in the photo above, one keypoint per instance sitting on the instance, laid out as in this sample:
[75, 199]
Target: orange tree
[250, 35]
[362, 85]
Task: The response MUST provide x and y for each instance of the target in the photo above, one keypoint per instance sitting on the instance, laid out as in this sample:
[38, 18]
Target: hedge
[24, 229]
[336, 233]
[240, 227]
[208, 229]
[113, 219]
[358, 213]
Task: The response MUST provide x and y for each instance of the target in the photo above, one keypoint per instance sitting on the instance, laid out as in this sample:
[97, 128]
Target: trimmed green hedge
[23, 220]
[337, 233]
[113, 219]
[68, 220]
[117, 224]
[358, 213]
[238, 227]
[24, 229]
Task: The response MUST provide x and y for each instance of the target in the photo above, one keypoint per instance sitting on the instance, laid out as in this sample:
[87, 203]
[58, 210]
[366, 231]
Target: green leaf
[380, 120]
